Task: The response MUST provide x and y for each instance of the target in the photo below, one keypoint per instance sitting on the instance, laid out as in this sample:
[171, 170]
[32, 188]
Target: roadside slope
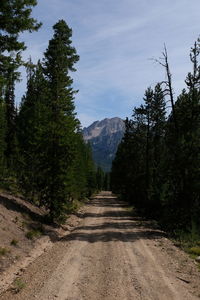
[110, 255]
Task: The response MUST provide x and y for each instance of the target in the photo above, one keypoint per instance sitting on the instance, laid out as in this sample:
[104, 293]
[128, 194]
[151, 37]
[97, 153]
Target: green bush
[194, 251]
[14, 242]
[18, 285]
[4, 251]
[35, 233]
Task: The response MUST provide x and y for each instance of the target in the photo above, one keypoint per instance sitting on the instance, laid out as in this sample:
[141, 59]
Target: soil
[17, 219]
[110, 254]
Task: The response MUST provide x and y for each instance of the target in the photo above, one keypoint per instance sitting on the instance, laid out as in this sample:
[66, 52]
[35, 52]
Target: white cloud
[115, 40]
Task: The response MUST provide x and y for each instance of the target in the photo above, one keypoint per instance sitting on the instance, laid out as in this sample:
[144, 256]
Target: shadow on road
[113, 225]
[107, 236]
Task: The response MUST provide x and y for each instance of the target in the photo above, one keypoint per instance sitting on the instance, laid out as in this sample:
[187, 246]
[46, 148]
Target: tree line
[42, 150]
[157, 165]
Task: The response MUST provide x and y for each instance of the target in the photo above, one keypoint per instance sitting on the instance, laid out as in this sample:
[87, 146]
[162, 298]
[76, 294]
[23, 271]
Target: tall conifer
[59, 60]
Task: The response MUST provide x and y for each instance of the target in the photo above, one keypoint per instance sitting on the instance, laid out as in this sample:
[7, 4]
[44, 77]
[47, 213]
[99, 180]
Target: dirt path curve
[111, 255]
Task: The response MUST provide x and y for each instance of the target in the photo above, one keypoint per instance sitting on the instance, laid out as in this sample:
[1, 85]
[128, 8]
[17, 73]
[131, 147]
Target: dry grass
[18, 285]
[4, 251]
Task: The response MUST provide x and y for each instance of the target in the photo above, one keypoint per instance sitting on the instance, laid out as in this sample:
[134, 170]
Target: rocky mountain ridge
[104, 137]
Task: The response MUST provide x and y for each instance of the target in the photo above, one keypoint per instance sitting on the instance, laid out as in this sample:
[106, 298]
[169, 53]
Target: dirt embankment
[110, 255]
[24, 236]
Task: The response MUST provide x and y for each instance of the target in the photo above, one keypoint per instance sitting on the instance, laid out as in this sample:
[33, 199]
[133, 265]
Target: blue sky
[116, 40]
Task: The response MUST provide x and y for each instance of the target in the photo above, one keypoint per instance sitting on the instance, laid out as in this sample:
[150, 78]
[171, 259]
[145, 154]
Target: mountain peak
[104, 137]
[104, 127]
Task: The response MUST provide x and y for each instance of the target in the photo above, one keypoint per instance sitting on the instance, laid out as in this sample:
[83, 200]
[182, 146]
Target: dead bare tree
[168, 90]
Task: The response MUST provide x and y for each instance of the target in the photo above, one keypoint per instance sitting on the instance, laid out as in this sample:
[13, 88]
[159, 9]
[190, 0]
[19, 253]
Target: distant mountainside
[104, 137]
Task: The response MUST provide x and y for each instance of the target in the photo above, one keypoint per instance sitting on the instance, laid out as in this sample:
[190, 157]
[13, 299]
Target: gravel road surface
[110, 255]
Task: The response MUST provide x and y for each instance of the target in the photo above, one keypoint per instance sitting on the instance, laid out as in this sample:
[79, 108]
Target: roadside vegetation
[157, 165]
[18, 285]
[4, 251]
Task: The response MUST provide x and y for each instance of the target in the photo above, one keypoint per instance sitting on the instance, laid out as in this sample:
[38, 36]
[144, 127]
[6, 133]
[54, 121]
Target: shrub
[33, 234]
[4, 251]
[14, 242]
[194, 250]
[18, 285]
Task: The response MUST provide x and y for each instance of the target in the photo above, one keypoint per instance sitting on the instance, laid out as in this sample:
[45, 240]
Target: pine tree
[2, 138]
[161, 157]
[10, 137]
[182, 158]
[137, 165]
[59, 150]
[15, 19]
[83, 170]
[128, 176]
[158, 125]
[31, 124]
[99, 179]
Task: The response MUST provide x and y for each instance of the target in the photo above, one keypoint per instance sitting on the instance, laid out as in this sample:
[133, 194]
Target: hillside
[24, 236]
[104, 137]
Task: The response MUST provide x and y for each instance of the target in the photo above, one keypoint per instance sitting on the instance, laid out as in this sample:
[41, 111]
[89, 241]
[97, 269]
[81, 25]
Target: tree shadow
[33, 220]
[14, 204]
[107, 214]
[122, 225]
[116, 225]
[108, 236]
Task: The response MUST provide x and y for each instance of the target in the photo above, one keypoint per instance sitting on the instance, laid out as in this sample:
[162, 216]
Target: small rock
[197, 259]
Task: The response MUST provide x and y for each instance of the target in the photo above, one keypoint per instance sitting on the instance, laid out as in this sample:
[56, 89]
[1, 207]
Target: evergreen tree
[32, 121]
[99, 179]
[2, 138]
[137, 165]
[10, 137]
[59, 149]
[161, 157]
[83, 170]
[15, 19]
[182, 158]
[106, 185]
[124, 170]
[55, 165]
[156, 145]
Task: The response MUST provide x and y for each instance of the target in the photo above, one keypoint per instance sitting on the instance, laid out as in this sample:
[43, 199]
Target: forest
[71, 225]
[157, 165]
[42, 152]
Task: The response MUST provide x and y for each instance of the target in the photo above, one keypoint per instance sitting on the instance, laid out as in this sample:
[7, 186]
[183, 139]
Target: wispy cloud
[115, 40]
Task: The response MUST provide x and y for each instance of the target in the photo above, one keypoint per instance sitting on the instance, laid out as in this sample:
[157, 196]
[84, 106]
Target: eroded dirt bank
[110, 255]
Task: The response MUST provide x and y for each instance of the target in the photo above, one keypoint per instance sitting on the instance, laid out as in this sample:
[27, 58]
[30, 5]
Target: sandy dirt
[110, 255]
[17, 217]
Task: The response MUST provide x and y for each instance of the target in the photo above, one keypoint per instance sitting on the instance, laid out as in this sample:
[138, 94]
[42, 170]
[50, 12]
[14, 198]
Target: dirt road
[110, 255]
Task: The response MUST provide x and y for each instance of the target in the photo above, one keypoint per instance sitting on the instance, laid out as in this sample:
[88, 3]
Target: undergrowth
[35, 233]
[4, 251]
[188, 241]
[9, 184]
[14, 242]
[18, 285]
